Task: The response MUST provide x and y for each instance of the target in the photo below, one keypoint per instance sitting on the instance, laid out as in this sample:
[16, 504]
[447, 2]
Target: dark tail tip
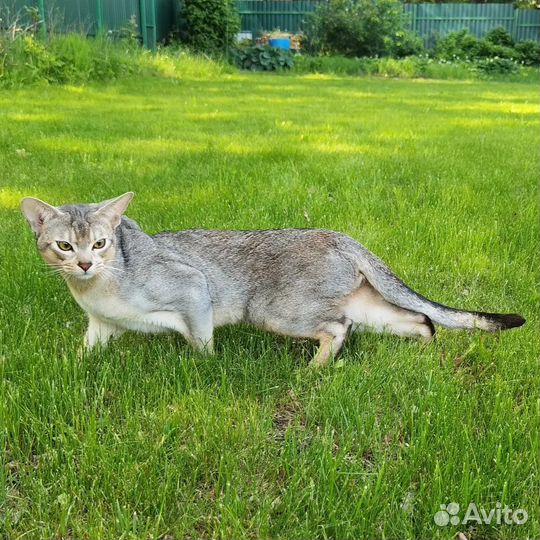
[504, 321]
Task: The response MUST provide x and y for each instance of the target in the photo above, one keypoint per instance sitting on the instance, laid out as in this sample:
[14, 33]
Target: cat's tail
[395, 291]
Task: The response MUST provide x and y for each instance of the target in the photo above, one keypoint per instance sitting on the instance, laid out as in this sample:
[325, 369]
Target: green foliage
[422, 66]
[263, 58]
[28, 60]
[500, 36]
[497, 66]
[528, 52]
[208, 26]
[495, 54]
[69, 58]
[74, 59]
[337, 65]
[526, 4]
[129, 33]
[457, 55]
[357, 27]
[406, 43]
[462, 44]
[489, 50]
[458, 44]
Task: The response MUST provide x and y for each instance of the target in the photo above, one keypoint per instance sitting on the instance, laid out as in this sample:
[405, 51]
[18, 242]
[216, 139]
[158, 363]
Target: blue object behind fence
[280, 43]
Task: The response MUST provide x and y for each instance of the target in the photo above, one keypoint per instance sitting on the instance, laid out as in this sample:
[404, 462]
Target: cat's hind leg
[370, 311]
[331, 338]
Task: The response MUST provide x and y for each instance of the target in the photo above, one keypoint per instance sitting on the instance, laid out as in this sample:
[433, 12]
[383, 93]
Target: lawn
[149, 439]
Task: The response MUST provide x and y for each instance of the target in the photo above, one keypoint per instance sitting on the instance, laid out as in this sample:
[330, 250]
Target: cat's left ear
[112, 210]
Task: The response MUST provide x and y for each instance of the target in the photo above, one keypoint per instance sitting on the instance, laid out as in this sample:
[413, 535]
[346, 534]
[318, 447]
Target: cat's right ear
[38, 212]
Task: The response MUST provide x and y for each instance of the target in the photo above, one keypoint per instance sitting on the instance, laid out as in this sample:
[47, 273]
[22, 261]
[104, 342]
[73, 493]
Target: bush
[208, 26]
[406, 44]
[355, 27]
[500, 36]
[75, 56]
[463, 45]
[263, 58]
[486, 49]
[458, 44]
[496, 66]
[528, 52]
[29, 60]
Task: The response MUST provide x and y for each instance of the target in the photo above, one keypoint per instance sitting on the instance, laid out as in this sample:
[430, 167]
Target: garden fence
[428, 20]
[432, 20]
[154, 19]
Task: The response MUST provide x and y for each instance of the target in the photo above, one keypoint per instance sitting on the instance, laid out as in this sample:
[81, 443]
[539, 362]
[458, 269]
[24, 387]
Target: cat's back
[260, 242]
[272, 256]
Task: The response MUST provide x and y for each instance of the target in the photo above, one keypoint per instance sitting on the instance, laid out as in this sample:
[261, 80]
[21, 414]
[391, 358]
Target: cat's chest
[134, 313]
[109, 306]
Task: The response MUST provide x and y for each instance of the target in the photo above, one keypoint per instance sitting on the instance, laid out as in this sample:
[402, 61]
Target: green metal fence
[428, 20]
[155, 18]
[432, 20]
[261, 15]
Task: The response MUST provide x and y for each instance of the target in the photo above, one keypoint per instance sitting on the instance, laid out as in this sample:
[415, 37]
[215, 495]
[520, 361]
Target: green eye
[99, 244]
[64, 246]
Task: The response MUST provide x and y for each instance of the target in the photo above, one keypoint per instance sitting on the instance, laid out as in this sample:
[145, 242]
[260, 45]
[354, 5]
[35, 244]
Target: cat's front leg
[201, 329]
[99, 332]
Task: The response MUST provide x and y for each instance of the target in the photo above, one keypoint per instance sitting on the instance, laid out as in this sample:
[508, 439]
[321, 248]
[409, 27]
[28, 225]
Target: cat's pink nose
[85, 266]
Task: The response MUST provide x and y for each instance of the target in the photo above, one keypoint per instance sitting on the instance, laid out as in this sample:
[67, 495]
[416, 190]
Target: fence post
[43, 21]
[142, 21]
[515, 25]
[153, 24]
[99, 16]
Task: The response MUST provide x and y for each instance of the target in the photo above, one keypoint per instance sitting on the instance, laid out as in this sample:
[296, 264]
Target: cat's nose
[85, 266]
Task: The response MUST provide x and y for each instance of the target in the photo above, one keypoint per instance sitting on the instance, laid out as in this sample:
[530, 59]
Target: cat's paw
[83, 351]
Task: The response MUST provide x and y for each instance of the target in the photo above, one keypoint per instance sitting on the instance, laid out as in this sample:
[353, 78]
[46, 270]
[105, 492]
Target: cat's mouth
[84, 275]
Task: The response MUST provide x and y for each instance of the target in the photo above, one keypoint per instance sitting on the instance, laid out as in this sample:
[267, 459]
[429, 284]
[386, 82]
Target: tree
[209, 26]
[356, 27]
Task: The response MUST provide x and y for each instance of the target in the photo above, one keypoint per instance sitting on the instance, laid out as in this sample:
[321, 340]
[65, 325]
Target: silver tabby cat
[305, 283]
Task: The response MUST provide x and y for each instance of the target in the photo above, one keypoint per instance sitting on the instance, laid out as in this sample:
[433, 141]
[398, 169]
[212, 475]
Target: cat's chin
[83, 277]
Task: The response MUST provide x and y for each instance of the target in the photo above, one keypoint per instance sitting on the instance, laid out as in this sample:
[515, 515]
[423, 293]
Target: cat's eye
[99, 244]
[64, 246]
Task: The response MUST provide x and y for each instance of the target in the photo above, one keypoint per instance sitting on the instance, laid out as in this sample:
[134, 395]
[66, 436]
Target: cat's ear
[38, 212]
[112, 210]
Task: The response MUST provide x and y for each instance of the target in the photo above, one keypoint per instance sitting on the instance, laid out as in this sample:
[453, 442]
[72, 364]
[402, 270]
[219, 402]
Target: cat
[306, 283]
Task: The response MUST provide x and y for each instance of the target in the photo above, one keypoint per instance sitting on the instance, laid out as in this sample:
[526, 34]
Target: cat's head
[76, 240]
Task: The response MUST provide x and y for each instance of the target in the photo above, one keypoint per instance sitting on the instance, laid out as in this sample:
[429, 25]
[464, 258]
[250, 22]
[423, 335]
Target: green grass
[74, 59]
[148, 438]
[412, 67]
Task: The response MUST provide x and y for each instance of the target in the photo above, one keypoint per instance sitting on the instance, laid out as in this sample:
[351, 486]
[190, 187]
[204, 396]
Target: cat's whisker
[108, 272]
[55, 270]
[113, 270]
